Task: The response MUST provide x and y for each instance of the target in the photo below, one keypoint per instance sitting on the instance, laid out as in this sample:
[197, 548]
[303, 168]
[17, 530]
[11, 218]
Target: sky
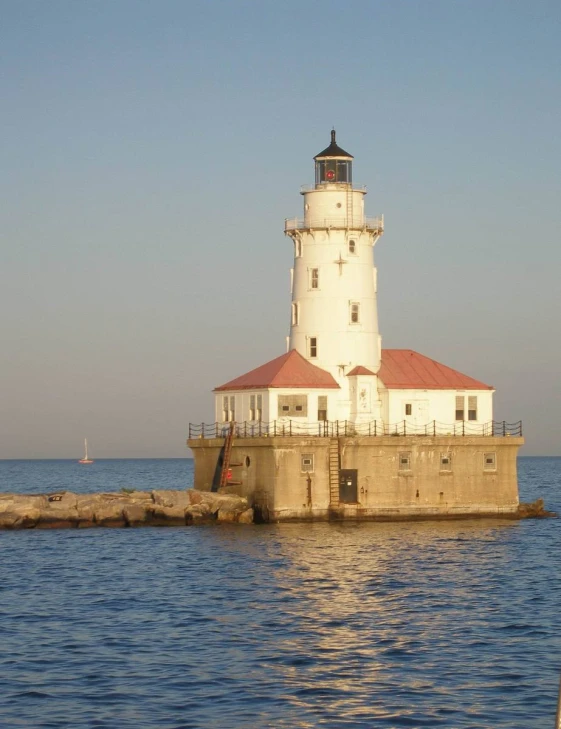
[151, 150]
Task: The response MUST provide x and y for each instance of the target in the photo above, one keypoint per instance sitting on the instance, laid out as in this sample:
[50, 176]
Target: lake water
[422, 624]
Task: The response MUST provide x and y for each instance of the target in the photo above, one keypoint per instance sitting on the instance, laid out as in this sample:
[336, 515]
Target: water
[427, 624]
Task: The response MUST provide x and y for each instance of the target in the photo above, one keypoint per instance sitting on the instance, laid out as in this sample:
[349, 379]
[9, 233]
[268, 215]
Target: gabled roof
[288, 370]
[360, 370]
[406, 369]
[333, 150]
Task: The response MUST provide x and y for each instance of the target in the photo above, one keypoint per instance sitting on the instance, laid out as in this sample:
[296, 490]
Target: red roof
[406, 369]
[360, 370]
[288, 370]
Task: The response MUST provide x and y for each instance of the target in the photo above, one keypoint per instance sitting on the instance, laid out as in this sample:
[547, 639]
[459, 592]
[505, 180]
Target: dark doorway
[348, 486]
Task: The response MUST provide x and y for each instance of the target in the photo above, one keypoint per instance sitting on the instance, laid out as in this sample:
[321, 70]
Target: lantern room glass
[333, 171]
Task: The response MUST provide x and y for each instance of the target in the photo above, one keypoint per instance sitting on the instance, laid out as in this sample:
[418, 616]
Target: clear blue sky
[150, 152]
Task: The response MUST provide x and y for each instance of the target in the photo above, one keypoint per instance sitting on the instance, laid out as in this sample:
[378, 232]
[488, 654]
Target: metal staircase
[334, 466]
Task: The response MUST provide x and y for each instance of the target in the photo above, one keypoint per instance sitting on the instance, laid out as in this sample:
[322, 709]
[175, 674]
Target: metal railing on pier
[344, 428]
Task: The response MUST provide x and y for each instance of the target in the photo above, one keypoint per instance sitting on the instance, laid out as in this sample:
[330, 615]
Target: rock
[136, 514]
[246, 517]
[171, 498]
[64, 509]
[534, 510]
[59, 511]
[168, 516]
[198, 513]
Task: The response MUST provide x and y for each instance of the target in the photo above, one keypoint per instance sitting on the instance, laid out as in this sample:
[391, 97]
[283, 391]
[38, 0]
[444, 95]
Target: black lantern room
[333, 164]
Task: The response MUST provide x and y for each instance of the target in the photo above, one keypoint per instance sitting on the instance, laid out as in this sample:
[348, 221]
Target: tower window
[355, 313]
[352, 246]
[295, 314]
[297, 248]
[313, 346]
[314, 278]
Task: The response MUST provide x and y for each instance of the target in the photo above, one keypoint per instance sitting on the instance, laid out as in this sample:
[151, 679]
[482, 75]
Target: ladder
[350, 213]
[227, 465]
[334, 466]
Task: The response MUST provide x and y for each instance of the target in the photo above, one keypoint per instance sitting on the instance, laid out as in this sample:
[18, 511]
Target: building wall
[431, 405]
[273, 478]
[271, 404]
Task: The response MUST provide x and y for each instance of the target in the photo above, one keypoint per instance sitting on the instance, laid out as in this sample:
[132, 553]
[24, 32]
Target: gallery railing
[342, 428]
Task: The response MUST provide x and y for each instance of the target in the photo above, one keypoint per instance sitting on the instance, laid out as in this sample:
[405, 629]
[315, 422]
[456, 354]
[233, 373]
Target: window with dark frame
[460, 413]
[445, 462]
[355, 312]
[408, 408]
[489, 461]
[313, 346]
[405, 461]
[314, 278]
[352, 246]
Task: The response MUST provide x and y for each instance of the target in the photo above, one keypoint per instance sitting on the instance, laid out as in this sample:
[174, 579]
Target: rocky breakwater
[65, 509]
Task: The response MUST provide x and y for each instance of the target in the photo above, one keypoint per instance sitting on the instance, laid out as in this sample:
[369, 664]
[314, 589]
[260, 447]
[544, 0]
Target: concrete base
[382, 478]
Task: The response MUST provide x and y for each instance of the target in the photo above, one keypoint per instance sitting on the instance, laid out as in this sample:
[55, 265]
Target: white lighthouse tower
[334, 317]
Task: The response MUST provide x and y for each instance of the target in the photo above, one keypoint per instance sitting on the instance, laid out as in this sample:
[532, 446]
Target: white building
[335, 373]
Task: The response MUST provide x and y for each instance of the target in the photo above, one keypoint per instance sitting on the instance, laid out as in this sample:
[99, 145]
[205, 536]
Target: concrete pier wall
[396, 477]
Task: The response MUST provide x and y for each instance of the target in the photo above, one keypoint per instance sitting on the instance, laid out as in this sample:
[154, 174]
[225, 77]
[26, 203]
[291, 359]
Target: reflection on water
[424, 624]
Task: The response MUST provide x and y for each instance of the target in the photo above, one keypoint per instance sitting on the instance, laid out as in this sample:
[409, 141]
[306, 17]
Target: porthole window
[338, 205]
[247, 461]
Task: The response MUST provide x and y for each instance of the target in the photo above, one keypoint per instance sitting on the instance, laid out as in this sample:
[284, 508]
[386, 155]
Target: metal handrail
[288, 427]
[369, 223]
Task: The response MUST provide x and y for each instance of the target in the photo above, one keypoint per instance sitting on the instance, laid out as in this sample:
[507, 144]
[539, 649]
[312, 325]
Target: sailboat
[85, 459]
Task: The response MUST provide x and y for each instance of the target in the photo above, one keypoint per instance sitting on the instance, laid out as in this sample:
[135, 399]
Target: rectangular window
[352, 246]
[355, 312]
[472, 407]
[489, 461]
[259, 409]
[322, 408]
[252, 407]
[405, 461]
[295, 314]
[408, 408]
[313, 346]
[460, 407]
[225, 408]
[297, 248]
[232, 414]
[293, 406]
[307, 462]
[445, 462]
[314, 278]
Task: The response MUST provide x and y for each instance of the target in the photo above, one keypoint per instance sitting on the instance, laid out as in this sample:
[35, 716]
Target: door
[348, 486]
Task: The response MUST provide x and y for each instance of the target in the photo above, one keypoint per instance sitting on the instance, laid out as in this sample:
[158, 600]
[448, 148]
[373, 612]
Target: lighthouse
[334, 313]
[337, 427]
